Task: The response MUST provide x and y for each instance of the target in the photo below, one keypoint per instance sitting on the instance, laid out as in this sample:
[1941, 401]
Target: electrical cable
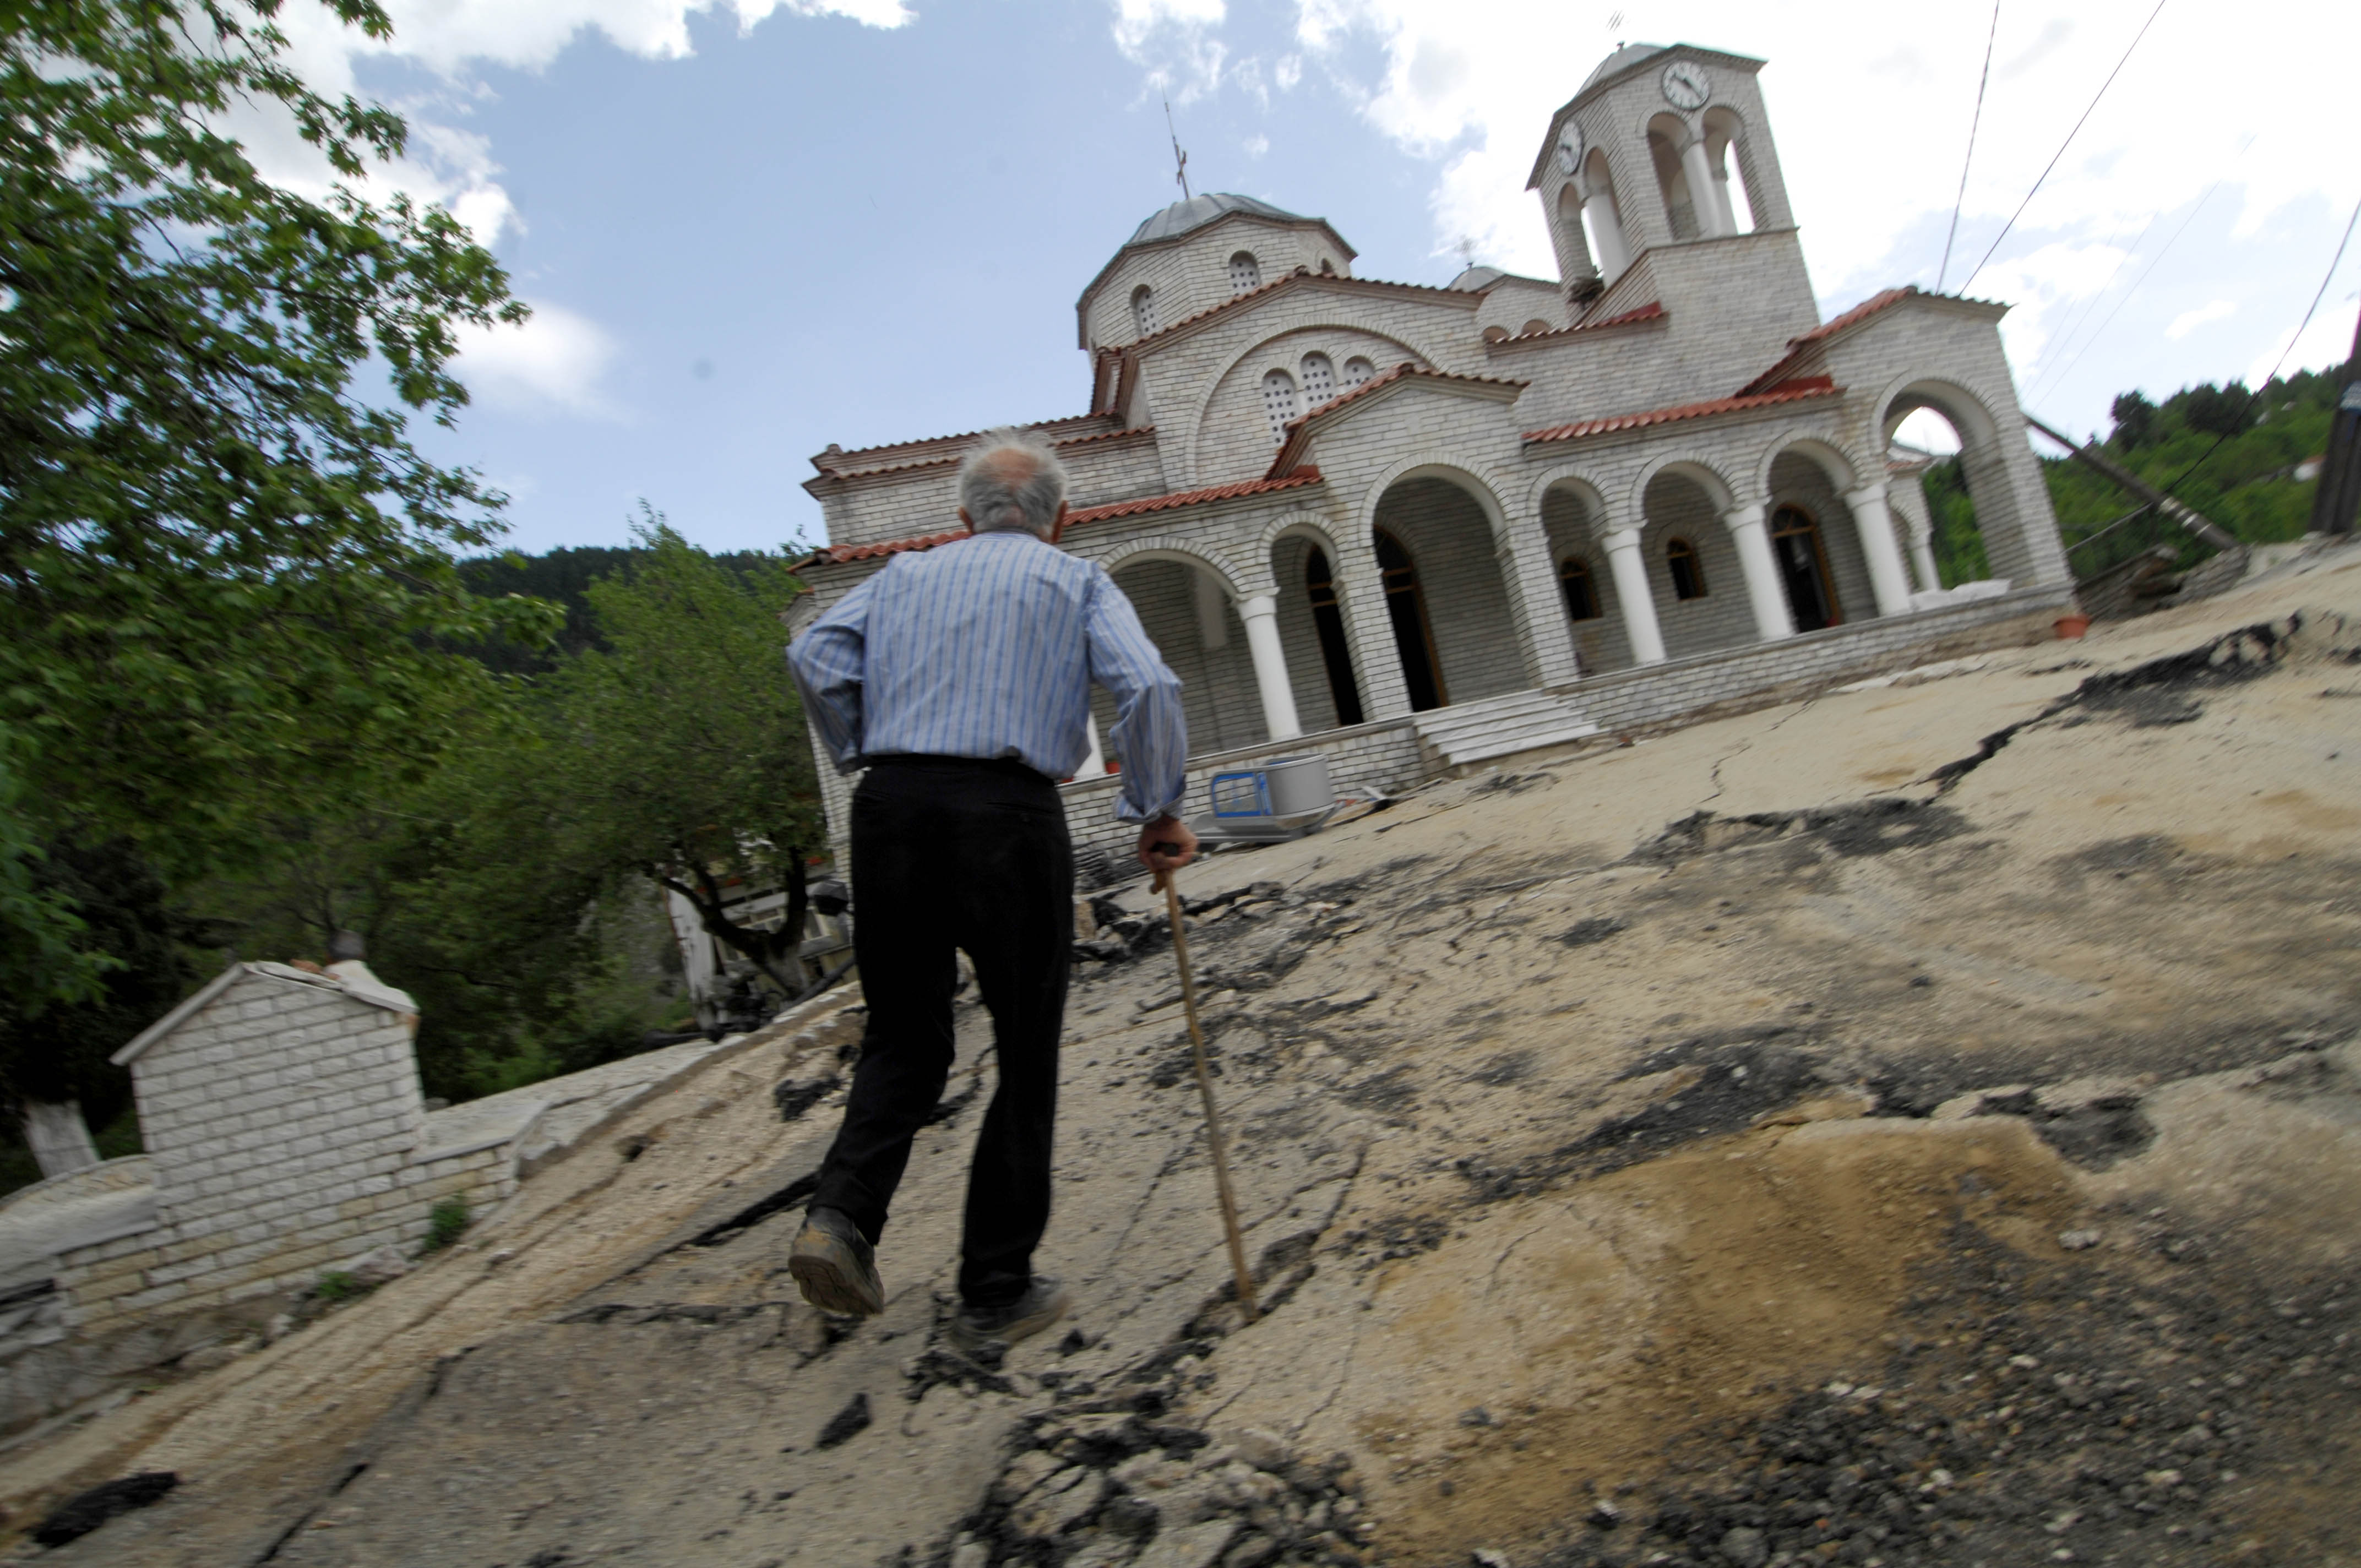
[1974, 121]
[2110, 81]
[2252, 397]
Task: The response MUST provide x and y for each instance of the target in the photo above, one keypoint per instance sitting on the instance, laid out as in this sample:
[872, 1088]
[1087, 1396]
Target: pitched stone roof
[1802, 351]
[1790, 392]
[1299, 429]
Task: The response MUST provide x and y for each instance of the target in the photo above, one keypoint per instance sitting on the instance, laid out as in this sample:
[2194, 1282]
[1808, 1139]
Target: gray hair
[1012, 480]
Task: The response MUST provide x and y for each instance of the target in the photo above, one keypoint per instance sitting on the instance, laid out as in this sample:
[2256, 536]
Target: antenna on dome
[1179, 158]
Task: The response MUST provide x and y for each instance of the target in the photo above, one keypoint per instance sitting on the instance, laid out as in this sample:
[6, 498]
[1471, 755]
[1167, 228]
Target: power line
[2110, 81]
[1974, 121]
[2321, 295]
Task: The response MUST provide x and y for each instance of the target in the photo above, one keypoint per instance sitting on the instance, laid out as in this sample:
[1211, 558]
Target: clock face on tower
[1569, 149]
[1686, 85]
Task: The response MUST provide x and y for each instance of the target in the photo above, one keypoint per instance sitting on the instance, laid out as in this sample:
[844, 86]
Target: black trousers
[950, 852]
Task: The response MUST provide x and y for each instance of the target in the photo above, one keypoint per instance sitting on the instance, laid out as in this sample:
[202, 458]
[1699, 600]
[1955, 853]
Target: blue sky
[753, 229]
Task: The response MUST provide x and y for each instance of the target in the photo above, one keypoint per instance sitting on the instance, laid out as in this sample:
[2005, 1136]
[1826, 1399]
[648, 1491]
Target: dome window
[1246, 272]
[1143, 310]
[1357, 370]
[1319, 380]
[1279, 402]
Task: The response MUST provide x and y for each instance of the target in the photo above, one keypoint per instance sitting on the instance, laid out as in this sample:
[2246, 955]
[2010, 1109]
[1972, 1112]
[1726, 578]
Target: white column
[1922, 559]
[1765, 591]
[1702, 200]
[1874, 523]
[1721, 202]
[1261, 616]
[1094, 765]
[1633, 596]
[1614, 252]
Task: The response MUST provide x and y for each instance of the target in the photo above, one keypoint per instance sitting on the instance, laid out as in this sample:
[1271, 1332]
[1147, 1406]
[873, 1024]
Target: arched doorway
[1803, 569]
[1328, 624]
[1413, 634]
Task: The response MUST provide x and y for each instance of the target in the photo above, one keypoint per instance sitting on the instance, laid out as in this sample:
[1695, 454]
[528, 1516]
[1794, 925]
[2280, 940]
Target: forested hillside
[2230, 453]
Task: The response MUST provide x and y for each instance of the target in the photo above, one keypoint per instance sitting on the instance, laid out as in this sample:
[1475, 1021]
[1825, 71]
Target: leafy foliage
[682, 744]
[2230, 454]
[223, 575]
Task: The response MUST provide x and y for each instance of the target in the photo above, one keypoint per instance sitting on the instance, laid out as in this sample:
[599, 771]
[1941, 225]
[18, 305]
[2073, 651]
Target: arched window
[1688, 571]
[1534, 325]
[1279, 402]
[1803, 568]
[1328, 621]
[1413, 639]
[1581, 592]
[1356, 371]
[1319, 380]
[1143, 310]
[1246, 272]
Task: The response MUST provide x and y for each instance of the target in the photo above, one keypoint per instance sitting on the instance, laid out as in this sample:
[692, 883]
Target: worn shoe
[836, 1266]
[1043, 1303]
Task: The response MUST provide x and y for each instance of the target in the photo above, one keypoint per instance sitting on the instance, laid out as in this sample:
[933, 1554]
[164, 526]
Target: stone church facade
[1417, 528]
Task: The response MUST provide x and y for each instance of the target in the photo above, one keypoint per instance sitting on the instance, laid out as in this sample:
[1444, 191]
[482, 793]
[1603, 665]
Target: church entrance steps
[1494, 727]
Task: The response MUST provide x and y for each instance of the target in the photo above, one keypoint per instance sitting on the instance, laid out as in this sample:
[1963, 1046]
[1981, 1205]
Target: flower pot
[2072, 626]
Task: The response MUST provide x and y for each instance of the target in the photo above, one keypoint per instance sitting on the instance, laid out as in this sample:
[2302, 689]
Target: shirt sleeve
[1150, 734]
[828, 661]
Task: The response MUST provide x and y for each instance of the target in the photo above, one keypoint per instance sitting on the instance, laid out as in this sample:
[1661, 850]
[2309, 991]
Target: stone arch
[1181, 551]
[1439, 508]
[1703, 472]
[1200, 634]
[1601, 642]
[1317, 630]
[1842, 471]
[1729, 156]
[1687, 497]
[2010, 503]
[1250, 360]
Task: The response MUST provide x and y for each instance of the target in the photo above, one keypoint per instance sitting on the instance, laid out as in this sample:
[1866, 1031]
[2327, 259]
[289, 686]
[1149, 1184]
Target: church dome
[1183, 217]
[1625, 54]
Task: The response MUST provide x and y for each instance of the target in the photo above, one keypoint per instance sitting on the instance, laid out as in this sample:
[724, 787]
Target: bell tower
[1663, 146]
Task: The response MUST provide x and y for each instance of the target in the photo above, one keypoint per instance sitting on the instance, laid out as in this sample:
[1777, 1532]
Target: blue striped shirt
[987, 647]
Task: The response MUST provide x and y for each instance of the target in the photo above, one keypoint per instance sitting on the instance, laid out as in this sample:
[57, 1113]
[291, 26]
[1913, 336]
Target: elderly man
[959, 678]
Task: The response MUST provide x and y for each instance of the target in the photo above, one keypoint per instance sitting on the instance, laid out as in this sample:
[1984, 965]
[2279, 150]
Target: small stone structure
[286, 1135]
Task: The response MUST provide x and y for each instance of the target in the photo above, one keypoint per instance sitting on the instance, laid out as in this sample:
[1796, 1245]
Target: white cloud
[2188, 322]
[555, 363]
[1176, 40]
[1870, 108]
[1256, 145]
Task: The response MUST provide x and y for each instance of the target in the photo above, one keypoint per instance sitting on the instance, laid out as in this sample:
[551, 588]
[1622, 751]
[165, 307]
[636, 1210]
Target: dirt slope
[1919, 1125]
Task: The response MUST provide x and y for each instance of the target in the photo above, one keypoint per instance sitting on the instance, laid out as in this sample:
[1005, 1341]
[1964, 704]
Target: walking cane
[1205, 1087]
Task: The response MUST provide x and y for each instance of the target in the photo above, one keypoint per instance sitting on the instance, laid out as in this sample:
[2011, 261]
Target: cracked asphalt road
[1593, 1123]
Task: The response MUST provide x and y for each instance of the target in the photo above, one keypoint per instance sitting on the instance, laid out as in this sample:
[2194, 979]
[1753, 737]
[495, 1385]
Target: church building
[1417, 527]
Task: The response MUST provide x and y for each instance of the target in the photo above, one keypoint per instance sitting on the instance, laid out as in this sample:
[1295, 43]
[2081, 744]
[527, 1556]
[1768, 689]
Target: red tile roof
[1292, 446]
[838, 555]
[823, 462]
[1192, 497]
[1652, 310]
[1787, 392]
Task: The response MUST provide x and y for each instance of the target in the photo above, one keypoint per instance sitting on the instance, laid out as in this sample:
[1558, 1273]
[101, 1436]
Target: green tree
[225, 574]
[681, 746]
